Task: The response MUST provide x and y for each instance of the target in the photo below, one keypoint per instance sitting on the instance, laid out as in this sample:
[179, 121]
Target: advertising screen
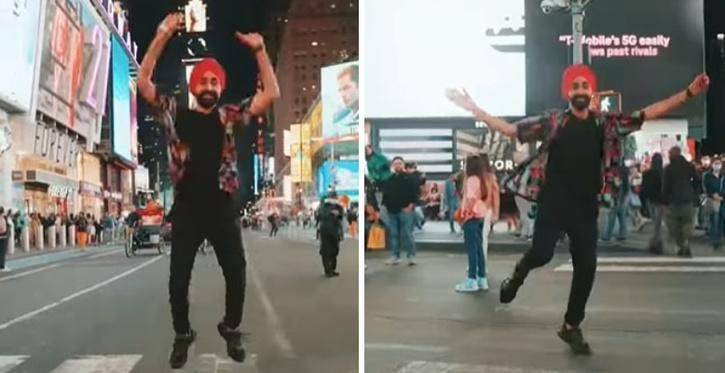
[416, 49]
[121, 102]
[340, 98]
[647, 50]
[342, 174]
[74, 66]
[20, 20]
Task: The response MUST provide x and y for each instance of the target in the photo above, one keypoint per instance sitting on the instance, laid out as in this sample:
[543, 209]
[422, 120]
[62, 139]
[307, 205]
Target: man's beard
[580, 102]
[207, 99]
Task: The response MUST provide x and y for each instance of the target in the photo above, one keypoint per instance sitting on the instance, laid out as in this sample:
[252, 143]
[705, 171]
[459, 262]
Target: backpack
[3, 226]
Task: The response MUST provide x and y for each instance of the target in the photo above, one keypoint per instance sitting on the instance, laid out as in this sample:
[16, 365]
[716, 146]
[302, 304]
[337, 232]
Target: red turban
[201, 68]
[574, 71]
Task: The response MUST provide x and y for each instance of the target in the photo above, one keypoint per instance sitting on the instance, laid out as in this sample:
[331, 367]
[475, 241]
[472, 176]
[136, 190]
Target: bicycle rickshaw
[148, 230]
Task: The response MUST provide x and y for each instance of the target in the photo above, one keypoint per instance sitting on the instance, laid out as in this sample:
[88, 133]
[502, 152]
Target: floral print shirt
[529, 177]
[179, 154]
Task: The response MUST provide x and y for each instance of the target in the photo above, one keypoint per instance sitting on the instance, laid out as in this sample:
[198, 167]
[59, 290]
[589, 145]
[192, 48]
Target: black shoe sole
[180, 364]
[230, 350]
[576, 349]
[508, 291]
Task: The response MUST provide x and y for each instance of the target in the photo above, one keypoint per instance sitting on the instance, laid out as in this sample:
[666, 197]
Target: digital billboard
[340, 100]
[22, 19]
[342, 175]
[121, 102]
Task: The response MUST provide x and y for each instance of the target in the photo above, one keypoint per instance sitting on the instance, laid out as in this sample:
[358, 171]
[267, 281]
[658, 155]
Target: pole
[577, 24]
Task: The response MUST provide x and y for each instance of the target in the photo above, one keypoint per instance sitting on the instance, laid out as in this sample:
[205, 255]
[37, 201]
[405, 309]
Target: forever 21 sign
[55, 146]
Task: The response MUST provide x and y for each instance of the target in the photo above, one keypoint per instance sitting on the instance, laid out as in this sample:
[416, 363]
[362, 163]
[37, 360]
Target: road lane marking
[7, 363]
[275, 321]
[77, 294]
[212, 363]
[99, 364]
[439, 367]
[404, 347]
[643, 269]
[659, 260]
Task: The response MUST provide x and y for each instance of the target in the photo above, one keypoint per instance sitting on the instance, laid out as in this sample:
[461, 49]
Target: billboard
[74, 67]
[340, 100]
[300, 153]
[20, 20]
[121, 102]
[342, 175]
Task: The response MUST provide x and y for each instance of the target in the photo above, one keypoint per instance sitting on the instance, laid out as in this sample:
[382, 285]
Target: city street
[103, 312]
[654, 314]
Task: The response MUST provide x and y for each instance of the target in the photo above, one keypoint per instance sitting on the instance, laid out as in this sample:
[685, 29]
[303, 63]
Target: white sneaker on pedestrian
[482, 283]
[411, 261]
[392, 261]
[5, 269]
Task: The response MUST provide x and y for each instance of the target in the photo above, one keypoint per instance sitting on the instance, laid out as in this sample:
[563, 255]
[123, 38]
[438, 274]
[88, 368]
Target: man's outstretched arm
[270, 89]
[166, 30]
[465, 102]
[662, 108]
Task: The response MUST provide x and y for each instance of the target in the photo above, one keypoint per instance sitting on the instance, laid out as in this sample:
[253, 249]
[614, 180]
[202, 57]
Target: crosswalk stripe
[626, 268]
[7, 363]
[661, 260]
[98, 364]
[439, 367]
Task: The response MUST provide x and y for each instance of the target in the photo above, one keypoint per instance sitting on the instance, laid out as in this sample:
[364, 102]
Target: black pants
[274, 230]
[329, 249]
[190, 228]
[582, 231]
[3, 250]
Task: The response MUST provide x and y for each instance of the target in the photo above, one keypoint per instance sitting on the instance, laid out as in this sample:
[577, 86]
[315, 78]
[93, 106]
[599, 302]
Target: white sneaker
[392, 261]
[411, 261]
[5, 269]
[482, 283]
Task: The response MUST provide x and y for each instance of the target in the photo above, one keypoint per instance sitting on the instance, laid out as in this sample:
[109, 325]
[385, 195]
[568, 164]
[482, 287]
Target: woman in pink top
[474, 211]
[492, 201]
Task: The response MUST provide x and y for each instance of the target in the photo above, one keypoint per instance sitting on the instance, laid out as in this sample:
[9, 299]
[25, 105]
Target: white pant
[527, 223]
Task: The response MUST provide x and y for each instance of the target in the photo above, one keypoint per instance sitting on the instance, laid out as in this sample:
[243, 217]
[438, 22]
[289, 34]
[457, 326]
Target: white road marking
[27, 273]
[7, 363]
[94, 256]
[274, 320]
[438, 367]
[404, 347]
[77, 294]
[660, 260]
[99, 364]
[212, 363]
[644, 269]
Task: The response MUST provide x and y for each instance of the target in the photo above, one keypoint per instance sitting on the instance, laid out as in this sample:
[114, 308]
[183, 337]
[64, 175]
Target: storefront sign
[59, 191]
[90, 190]
[116, 196]
[55, 145]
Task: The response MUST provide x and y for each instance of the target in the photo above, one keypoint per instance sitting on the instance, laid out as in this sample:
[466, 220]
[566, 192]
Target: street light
[576, 8]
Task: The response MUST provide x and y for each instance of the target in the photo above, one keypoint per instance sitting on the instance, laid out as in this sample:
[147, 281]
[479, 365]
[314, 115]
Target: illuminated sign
[55, 145]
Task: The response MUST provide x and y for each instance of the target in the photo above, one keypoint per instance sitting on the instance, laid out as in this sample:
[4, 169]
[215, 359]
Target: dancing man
[577, 144]
[203, 164]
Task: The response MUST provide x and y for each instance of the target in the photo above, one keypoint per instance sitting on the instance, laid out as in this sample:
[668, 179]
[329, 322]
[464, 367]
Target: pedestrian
[82, 228]
[352, 219]
[577, 145]
[450, 201]
[400, 194]
[203, 166]
[4, 237]
[617, 198]
[274, 220]
[652, 194]
[331, 216]
[714, 185]
[418, 180]
[433, 202]
[680, 194]
[492, 200]
[472, 213]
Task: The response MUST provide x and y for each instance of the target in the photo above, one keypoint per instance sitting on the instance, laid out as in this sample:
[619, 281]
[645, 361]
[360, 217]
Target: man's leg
[611, 219]
[546, 235]
[406, 235]
[226, 237]
[622, 217]
[3, 251]
[394, 230]
[583, 250]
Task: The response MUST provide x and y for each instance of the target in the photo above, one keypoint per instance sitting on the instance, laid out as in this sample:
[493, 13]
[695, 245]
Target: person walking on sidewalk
[4, 237]
[618, 190]
[203, 167]
[472, 215]
[82, 225]
[680, 194]
[714, 183]
[331, 215]
[652, 194]
[400, 194]
[450, 201]
[577, 144]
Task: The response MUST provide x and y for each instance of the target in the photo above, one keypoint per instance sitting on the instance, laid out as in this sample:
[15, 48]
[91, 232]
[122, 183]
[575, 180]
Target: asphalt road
[109, 313]
[645, 315]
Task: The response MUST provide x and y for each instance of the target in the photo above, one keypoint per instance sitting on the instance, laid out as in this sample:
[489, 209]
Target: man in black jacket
[400, 193]
[331, 214]
[652, 195]
[681, 184]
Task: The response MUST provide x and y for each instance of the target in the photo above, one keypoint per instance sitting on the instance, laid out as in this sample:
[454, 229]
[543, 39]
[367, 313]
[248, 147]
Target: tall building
[316, 33]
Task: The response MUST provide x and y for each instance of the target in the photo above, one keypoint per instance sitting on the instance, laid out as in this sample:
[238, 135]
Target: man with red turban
[577, 145]
[203, 164]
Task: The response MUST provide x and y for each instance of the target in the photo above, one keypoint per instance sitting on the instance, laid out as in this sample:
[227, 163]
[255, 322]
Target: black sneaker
[575, 339]
[335, 274]
[235, 348]
[180, 351]
[509, 287]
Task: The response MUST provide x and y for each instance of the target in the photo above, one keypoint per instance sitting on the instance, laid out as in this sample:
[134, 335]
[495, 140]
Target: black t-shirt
[574, 167]
[204, 135]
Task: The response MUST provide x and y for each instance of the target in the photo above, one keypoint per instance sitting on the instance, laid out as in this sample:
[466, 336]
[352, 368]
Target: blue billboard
[121, 102]
[342, 175]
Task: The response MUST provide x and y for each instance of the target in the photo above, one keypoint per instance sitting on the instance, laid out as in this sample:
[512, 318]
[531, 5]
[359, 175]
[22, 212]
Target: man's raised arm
[270, 89]
[166, 30]
[463, 100]
[662, 108]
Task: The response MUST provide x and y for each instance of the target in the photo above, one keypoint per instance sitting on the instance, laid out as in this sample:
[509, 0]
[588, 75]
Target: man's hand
[699, 84]
[253, 40]
[172, 23]
[462, 99]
